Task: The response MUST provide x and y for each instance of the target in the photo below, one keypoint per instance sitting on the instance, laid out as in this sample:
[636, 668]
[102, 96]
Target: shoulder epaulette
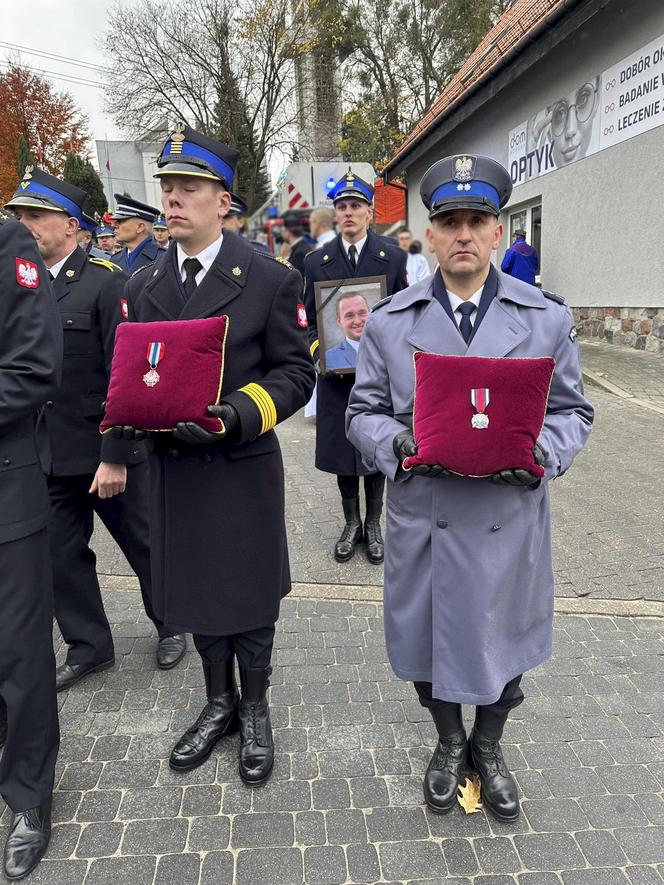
[380, 303]
[103, 262]
[139, 269]
[553, 296]
[278, 258]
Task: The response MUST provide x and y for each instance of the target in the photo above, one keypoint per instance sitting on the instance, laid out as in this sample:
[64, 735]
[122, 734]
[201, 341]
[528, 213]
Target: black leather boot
[499, 791]
[256, 743]
[218, 718]
[351, 536]
[448, 768]
[28, 840]
[373, 538]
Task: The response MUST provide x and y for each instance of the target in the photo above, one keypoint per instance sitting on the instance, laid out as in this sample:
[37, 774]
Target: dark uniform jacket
[90, 296]
[144, 254]
[30, 362]
[218, 536]
[299, 252]
[334, 454]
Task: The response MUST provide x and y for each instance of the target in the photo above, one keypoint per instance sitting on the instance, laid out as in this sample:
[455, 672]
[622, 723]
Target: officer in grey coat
[468, 571]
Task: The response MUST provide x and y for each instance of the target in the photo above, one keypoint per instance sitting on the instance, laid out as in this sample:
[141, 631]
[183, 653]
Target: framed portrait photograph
[342, 309]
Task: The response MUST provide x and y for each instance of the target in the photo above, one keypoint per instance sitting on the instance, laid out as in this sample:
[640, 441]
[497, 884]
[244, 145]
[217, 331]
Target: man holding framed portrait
[343, 280]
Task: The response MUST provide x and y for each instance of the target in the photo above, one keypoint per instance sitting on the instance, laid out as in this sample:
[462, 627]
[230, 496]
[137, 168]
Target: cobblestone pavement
[345, 802]
[608, 511]
[637, 373]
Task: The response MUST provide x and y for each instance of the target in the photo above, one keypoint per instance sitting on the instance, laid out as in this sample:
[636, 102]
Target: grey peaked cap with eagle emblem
[465, 181]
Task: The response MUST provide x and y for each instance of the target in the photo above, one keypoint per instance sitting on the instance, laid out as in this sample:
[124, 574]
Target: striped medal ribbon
[155, 353]
[479, 397]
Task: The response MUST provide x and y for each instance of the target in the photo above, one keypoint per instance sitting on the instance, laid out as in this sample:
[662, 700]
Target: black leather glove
[128, 431]
[539, 455]
[404, 446]
[192, 433]
[514, 477]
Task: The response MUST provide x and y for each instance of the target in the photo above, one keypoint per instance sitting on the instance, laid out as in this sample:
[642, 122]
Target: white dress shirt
[417, 267]
[55, 269]
[456, 302]
[206, 258]
[325, 237]
[359, 246]
[354, 344]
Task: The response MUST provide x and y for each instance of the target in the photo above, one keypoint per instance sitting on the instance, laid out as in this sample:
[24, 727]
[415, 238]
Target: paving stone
[369, 792]
[63, 840]
[159, 802]
[111, 870]
[282, 865]
[99, 805]
[310, 828]
[607, 812]
[363, 863]
[550, 851]
[129, 774]
[496, 855]
[460, 857]
[601, 849]
[100, 839]
[59, 872]
[201, 799]
[80, 776]
[324, 865]
[264, 830]
[573, 783]
[644, 876]
[642, 845]
[554, 815]
[178, 869]
[276, 796]
[594, 877]
[209, 832]
[330, 793]
[406, 860]
[110, 746]
[345, 825]
[396, 824]
[625, 778]
[154, 836]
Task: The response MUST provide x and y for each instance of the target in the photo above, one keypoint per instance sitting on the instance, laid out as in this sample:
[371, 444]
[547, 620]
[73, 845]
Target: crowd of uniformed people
[200, 515]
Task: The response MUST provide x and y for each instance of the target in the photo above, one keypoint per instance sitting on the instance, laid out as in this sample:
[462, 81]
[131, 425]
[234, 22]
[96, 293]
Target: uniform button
[442, 523]
[50, 404]
[70, 323]
[496, 527]
[174, 453]
[6, 462]
[207, 458]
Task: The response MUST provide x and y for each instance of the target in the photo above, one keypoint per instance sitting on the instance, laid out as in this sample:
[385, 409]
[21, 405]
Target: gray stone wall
[638, 327]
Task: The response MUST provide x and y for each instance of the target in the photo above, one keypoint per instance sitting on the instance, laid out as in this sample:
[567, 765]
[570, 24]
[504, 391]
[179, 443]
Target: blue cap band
[455, 189]
[349, 190]
[67, 204]
[189, 149]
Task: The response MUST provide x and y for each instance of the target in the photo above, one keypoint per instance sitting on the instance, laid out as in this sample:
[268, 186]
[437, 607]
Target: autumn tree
[81, 172]
[226, 68]
[402, 54]
[47, 119]
[25, 158]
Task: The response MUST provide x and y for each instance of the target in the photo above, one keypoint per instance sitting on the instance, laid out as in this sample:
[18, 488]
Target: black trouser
[489, 718]
[79, 609]
[252, 648]
[27, 672]
[374, 485]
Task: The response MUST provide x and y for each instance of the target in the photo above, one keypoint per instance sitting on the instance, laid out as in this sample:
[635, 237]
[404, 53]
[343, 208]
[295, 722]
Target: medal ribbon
[479, 397]
[155, 353]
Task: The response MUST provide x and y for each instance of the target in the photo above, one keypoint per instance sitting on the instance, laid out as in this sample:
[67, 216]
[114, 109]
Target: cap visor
[464, 203]
[187, 169]
[34, 203]
[351, 195]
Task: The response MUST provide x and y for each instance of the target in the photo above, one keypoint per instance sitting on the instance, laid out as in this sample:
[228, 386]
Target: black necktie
[51, 276]
[465, 325]
[352, 256]
[191, 267]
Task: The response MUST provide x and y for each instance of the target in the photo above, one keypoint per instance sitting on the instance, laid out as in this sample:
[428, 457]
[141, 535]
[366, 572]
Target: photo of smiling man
[352, 314]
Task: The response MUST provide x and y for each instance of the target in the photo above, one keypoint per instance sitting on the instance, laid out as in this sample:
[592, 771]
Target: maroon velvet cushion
[444, 414]
[166, 372]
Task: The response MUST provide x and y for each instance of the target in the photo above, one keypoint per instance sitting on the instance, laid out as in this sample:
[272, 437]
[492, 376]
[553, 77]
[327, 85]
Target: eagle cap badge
[464, 168]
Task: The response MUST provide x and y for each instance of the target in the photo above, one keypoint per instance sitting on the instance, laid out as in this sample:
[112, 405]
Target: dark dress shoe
[28, 840]
[256, 743]
[499, 791]
[3, 734]
[218, 719]
[351, 535]
[67, 675]
[170, 650]
[446, 772]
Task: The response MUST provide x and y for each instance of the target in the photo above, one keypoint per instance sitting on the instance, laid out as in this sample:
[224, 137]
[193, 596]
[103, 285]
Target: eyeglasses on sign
[586, 99]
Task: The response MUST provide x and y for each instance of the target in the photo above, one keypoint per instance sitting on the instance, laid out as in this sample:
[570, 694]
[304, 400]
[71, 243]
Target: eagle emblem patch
[464, 168]
[27, 273]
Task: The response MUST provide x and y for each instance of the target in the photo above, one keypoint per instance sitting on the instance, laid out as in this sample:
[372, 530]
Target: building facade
[570, 97]
[128, 167]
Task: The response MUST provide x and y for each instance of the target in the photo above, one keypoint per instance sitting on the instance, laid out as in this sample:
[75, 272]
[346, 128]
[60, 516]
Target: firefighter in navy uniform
[219, 551]
[89, 474]
[30, 363]
[133, 221]
[355, 252]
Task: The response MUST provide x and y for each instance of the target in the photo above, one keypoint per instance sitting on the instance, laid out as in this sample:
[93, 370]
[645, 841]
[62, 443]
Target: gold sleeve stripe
[313, 347]
[264, 403]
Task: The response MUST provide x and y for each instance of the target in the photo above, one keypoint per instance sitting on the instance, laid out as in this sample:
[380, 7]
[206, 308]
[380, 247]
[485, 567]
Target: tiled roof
[514, 26]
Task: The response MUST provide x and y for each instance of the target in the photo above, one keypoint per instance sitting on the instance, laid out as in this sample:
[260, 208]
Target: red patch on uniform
[302, 317]
[124, 307]
[27, 273]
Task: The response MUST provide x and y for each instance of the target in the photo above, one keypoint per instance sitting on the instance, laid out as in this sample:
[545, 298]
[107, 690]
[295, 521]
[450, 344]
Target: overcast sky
[69, 28]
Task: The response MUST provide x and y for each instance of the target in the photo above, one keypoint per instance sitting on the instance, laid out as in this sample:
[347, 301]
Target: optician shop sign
[624, 101]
